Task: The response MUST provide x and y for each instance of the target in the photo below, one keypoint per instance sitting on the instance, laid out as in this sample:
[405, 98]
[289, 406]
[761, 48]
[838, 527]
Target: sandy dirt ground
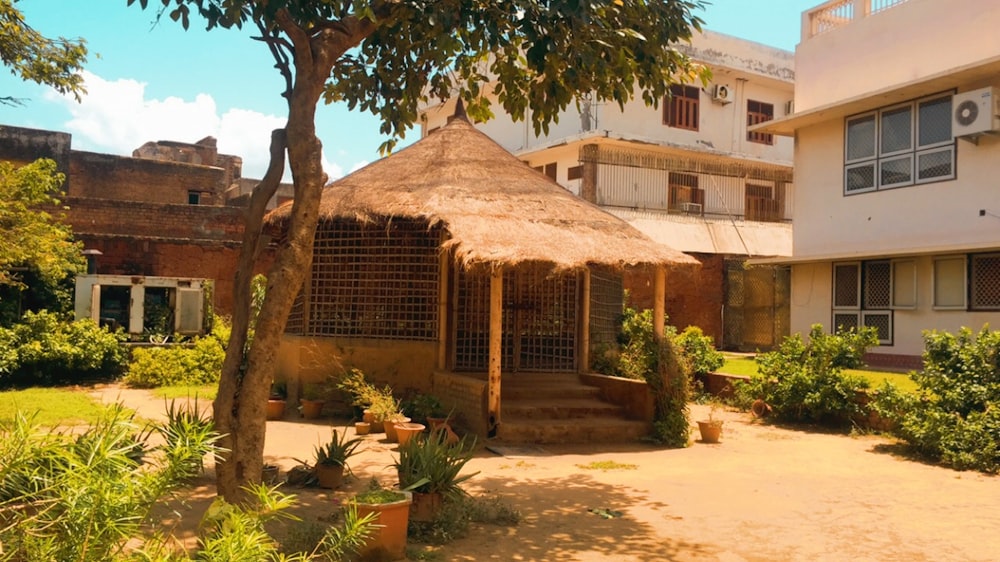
[763, 494]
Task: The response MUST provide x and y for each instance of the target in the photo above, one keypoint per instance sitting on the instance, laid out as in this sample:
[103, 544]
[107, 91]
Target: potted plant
[425, 407]
[276, 401]
[382, 408]
[390, 510]
[430, 469]
[390, 423]
[331, 458]
[711, 428]
[311, 403]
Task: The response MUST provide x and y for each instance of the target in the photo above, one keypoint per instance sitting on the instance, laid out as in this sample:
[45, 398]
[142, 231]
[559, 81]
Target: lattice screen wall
[606, 298]
[757, 312]
[375, 281]
[539, 321]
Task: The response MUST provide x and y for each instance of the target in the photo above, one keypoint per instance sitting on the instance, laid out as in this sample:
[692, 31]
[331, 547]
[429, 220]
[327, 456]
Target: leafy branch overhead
[533, 58]
[32, 56]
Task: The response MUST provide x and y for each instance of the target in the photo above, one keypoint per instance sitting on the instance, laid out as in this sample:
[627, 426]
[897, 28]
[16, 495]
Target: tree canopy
[30, 237]
[32, 56]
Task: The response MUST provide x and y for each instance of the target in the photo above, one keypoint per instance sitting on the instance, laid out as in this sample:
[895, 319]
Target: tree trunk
[240, 406]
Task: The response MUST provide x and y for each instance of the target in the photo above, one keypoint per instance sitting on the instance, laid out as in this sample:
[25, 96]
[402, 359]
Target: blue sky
[160, 82]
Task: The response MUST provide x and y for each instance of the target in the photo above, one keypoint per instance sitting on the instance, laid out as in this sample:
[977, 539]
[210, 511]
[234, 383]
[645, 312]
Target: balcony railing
[696, 188]
[837, 13]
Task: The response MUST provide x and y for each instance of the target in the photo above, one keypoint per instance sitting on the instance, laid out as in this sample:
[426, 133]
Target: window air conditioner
[975, 112]
[789, 107]
[722, 93]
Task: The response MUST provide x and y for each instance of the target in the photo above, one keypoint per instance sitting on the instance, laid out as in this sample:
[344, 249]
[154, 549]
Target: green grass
[605, 466]
[50, 406]
[207, 392]
[737, 365]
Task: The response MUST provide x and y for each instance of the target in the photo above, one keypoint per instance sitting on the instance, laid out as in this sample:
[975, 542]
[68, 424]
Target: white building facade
[897, 159]
[688, 174]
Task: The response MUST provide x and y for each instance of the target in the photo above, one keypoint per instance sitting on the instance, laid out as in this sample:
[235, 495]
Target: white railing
[838, 13]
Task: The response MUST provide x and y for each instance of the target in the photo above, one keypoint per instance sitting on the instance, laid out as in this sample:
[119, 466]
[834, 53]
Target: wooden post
[584, 366]
[496, 340]
[659, 293]
[442, 362]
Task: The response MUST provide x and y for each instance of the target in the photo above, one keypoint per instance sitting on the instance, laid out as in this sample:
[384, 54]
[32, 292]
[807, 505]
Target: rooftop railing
[838, 13]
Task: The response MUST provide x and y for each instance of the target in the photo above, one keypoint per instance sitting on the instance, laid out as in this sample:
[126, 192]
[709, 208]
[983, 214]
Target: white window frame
[859, 312]
[963, 284]
[878, 159]
[865, 314]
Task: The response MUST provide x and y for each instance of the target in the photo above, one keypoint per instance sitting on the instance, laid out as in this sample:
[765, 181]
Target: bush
[804, 382]
[45, 349]
[956, 418]
[198, 363]
[699, 351]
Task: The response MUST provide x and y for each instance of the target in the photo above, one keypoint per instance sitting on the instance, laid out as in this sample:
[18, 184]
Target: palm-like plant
[431, 465]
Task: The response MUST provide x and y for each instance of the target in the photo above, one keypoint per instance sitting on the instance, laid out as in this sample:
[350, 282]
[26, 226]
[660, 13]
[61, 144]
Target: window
[899, 145]
[194, 198]
[985, 282]
[949, 282]
[762, 204]
[574, 172]
[548, 169]
[684, 194]
[862, 297]
[680, 108]
[904, 284]
[759, 112]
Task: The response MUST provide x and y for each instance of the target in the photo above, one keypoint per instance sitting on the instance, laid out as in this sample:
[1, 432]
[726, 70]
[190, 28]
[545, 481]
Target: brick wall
[894, 362]
[107, 176]
[694, 295]
[23, 146]
[171, 222]
[467, 397]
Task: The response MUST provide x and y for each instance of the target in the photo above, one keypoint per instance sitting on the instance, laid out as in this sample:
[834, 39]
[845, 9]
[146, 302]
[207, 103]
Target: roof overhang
[880, 254]
[924, 86]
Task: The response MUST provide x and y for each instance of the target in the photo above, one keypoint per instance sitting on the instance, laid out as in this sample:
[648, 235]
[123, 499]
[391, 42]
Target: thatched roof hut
[452, 257]
[496, 209]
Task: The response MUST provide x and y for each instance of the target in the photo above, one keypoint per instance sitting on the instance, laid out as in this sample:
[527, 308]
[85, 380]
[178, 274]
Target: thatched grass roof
[496, 209]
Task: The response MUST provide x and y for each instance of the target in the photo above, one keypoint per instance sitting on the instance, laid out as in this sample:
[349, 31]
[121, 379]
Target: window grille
[684, 194]
[681, 107]
[845, 320]
[878, 284]
[900, 145]
[846, 287]
[375, 280]
[759, 112]
[882, 322]
[986, 282]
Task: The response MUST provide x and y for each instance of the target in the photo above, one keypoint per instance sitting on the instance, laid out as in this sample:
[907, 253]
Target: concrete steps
[558, 408]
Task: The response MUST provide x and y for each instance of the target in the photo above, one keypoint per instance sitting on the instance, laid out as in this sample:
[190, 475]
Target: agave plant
[431, 465]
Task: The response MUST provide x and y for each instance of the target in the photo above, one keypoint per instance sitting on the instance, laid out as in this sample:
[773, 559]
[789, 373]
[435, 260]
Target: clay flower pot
[390, 428]
[407, 430]
[329, 476]
[711, 430]
[311, 409]
[275, 409]
[362, 428]
[388, 539]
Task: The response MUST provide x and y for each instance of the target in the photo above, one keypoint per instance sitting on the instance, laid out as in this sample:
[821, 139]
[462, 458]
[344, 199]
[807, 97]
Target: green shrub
[197, 363]
[805, 382]
[699, 351]
[45, 349]
[956, 418]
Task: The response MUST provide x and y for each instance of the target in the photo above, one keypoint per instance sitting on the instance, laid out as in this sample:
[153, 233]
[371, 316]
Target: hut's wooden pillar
[659, 307]
[496, 340]
[443, 327]
[584, 340]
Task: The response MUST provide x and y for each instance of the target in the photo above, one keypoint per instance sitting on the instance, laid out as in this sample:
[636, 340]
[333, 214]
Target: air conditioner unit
[975, 112]
[789, 107]
[722, 93]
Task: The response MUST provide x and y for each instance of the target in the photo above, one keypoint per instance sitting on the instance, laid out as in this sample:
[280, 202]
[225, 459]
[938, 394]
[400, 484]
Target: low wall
[466, 397]
[634, 396]
[720, 384]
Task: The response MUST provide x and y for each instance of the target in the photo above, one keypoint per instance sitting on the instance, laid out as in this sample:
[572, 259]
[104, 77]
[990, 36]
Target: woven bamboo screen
[607, 295]
[539, 321]
[372, 281]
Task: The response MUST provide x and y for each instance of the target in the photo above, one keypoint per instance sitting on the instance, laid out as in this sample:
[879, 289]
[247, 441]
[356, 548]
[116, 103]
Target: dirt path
[763, 494]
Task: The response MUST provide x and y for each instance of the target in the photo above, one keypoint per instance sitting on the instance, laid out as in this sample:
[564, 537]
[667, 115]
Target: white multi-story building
[688, 174]
[897, 215]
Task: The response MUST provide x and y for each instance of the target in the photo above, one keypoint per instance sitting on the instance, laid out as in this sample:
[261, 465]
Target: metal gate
[756, 315]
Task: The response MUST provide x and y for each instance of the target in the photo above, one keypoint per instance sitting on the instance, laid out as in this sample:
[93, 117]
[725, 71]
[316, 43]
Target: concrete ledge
[632, 395]
[720, 384]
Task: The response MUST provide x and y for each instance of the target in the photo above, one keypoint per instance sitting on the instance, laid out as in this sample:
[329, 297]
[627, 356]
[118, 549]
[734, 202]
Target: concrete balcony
[838, 13]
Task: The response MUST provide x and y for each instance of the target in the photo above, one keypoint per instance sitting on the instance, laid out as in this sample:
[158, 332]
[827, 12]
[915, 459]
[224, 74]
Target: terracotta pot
[275, 409]
[311, 409]
[435, 423]
[408, 430]
[388, 539]
[329, 475]
[390, 428]
[269, 474]
[710, 430]
[368, 416]
[425, 506]
[362, 428]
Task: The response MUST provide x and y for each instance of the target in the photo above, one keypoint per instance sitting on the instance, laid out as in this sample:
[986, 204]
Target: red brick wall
[173, 222]
[694, 295]
[107, 176]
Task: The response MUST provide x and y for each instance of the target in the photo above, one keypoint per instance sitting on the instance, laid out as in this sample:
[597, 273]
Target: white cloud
[116, 117]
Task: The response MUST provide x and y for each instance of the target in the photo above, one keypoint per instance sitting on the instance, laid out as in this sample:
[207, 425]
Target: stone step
[591, 430]
[558, 408]
[548, 390]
